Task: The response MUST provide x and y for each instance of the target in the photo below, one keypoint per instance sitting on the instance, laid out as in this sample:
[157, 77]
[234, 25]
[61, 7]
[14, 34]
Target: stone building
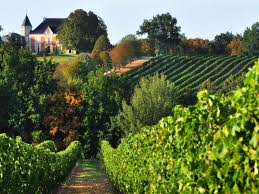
[44, 37]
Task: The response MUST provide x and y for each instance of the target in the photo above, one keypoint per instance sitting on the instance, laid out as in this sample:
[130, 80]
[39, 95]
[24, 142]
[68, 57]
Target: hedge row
[28, 169]
[211, 147]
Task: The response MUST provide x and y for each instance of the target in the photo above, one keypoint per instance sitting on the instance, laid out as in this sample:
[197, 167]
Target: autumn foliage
[63, 119]
[197, 46]
[235, 47]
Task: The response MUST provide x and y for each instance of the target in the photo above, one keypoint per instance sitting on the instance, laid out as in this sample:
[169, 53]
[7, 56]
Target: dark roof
[26, 21]
[53, 23]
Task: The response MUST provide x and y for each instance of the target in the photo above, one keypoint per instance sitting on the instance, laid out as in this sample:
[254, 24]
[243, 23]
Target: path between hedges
[87, 177]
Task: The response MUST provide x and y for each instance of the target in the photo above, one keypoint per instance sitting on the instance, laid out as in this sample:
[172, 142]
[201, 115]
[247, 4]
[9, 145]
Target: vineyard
[25, 168]
[210, 147]
[189, 72]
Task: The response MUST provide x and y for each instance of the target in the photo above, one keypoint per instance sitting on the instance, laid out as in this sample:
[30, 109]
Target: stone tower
[26, 29]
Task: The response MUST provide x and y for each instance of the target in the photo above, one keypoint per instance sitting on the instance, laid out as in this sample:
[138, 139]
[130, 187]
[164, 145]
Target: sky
[197, 18]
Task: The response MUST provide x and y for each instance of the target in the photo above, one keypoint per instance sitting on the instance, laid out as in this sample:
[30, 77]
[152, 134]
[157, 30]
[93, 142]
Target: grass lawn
[59, 58]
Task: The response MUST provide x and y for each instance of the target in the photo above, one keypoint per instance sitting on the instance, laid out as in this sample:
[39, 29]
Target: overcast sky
[197, 18]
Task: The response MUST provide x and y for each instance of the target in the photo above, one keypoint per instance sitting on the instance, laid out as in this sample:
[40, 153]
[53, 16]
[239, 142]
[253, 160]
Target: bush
[152, 99]
[28, 169]
[211, 147]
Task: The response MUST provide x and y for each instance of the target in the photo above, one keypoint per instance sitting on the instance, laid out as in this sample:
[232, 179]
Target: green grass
[59, 58]
[90, 169]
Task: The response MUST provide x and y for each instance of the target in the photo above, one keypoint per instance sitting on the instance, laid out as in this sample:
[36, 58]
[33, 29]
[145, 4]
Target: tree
[106, 60]
[79, 69]
[163, 30]
[197, 46]
[27, 84]
[102, 44]
[147, 47]
[127, 50]
[235, 47]
[81, 30]
[220, 43]
[152, 99]
[251, 40]
[101, 99]
[63, 121]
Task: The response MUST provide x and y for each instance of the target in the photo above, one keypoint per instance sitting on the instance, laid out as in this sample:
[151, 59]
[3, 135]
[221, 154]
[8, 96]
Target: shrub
[28, 169]
[211, 147]
[152, 99]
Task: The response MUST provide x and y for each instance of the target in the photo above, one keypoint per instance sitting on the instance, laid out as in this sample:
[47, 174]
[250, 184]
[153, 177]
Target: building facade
[44, 37]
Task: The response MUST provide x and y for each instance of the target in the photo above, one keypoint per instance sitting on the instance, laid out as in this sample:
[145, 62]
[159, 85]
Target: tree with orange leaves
[197, 46]
[63, 119]
[235, 47]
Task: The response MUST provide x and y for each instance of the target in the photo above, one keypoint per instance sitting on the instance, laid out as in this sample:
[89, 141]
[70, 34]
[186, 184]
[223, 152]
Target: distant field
[59, 58]
[189, 72]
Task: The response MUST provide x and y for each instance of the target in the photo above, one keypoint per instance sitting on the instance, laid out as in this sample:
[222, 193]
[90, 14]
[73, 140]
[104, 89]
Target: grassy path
[86, 177]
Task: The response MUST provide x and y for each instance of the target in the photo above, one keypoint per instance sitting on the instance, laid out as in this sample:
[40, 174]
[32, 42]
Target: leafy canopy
[251, 40]
[152, 99]
[81, 29]
[162, 29]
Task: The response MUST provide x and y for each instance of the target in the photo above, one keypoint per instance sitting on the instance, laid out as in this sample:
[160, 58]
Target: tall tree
[81, 30]
[251, 40]
[163, 30]
[220, 43]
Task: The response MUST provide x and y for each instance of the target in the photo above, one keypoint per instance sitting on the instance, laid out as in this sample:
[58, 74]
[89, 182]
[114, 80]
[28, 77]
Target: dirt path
[87, 177]
[130, 66]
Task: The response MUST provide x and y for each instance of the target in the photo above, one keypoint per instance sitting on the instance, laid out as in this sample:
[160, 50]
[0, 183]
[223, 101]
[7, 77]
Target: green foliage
[81, 30]
[211, 147]
[101, 99]
[28, 84]
[37, 136]
[79, 68]
[152, 99]
[102, 44]
[251, 40]
[220, 43]
[28, 169]
[48, 144]
[163, 30]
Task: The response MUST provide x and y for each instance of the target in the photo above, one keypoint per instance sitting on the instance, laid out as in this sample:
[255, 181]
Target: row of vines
[210, 147]
[189, 72]
[25, 168]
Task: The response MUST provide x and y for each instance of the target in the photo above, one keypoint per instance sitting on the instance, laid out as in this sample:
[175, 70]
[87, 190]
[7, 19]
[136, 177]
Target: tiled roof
[53, 23]
[26, 21]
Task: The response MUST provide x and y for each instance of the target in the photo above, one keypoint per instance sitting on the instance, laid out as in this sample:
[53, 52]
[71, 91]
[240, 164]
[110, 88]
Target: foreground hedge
[211, 147]
[28, 169]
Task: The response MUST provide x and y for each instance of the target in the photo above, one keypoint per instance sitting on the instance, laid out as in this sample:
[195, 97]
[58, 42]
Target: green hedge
[211, 147]
[48, 144]
[28, 169]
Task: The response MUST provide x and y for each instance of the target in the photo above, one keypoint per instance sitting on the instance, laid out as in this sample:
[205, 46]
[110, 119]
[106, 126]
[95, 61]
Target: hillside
[189, 72]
